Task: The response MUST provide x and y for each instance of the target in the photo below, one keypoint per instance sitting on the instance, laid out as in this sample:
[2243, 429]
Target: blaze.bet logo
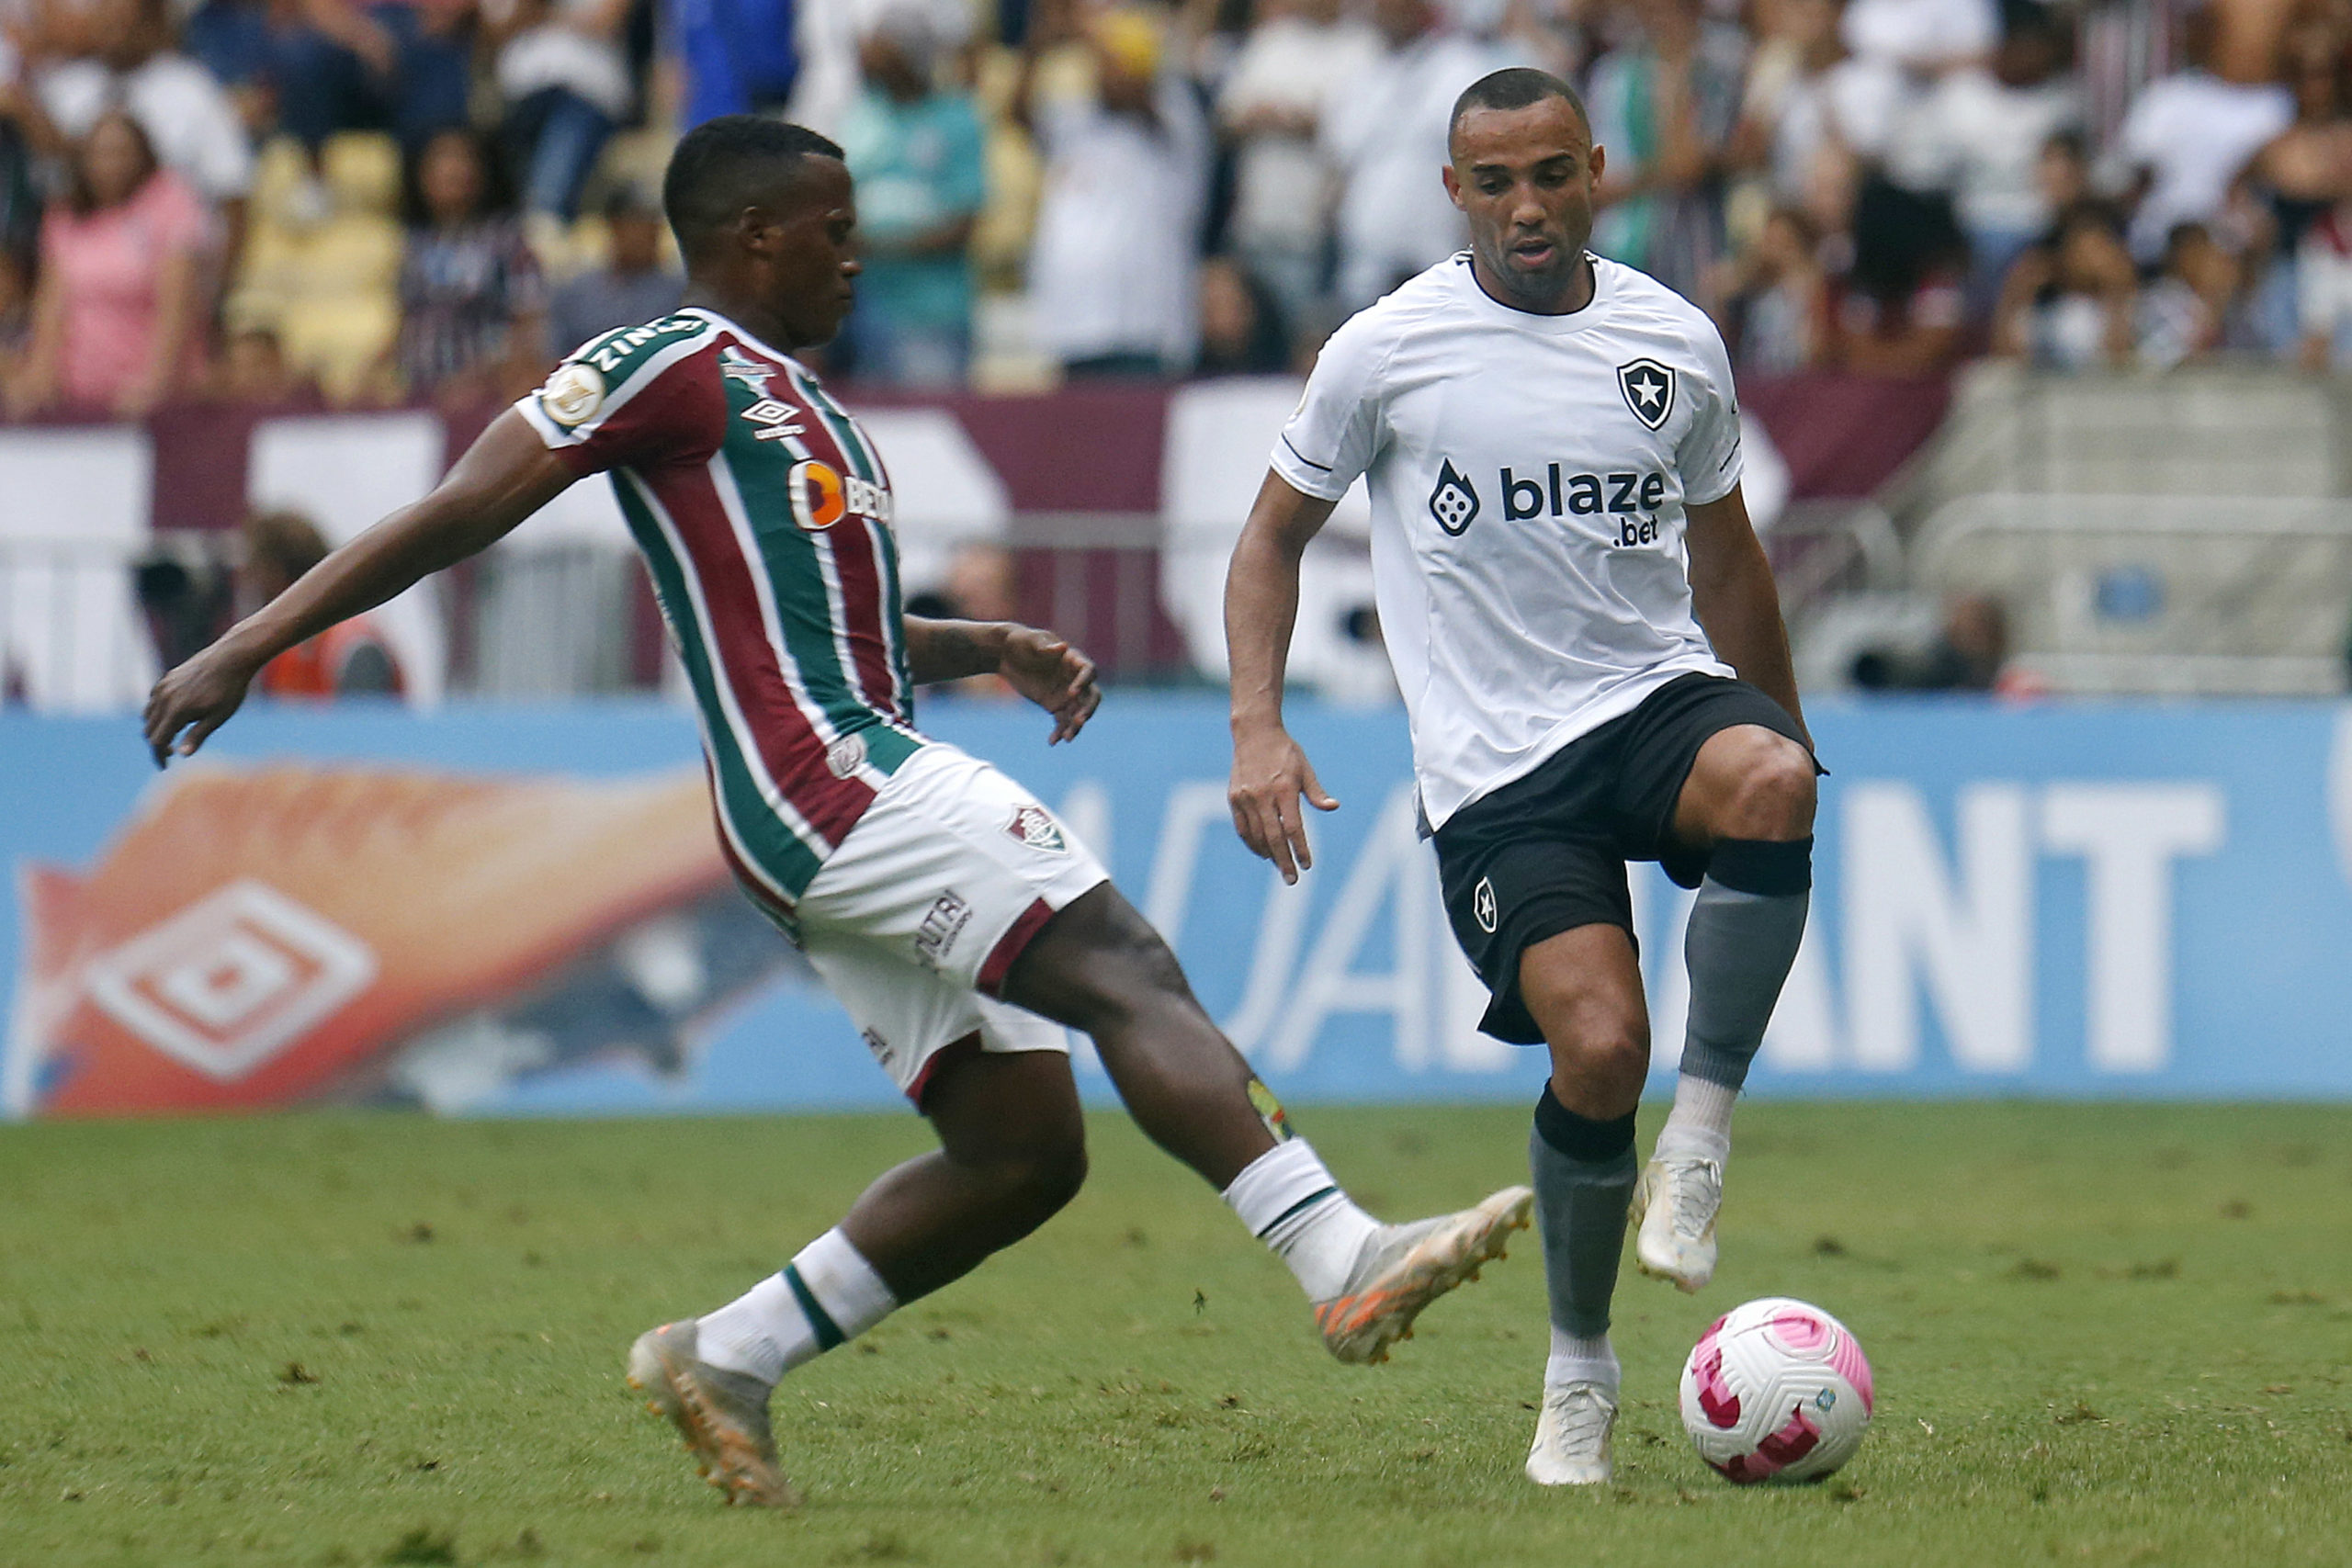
[1454, 502]
[232, 980]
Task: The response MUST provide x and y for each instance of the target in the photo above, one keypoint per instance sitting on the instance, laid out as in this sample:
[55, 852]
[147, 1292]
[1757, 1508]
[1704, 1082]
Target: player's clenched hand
[1054, 675]
[1270, 773]
[195, 698]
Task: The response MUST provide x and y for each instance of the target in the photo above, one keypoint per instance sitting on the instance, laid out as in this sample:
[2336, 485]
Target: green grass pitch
[2103, 1335]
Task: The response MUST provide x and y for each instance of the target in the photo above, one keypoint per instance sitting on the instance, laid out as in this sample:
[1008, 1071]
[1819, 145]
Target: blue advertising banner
[519, 912]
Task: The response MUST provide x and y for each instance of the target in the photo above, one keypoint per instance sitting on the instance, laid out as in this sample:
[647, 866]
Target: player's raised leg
[1012, 1153]
[1584, 990]
[1750, 796]
[1101, 968]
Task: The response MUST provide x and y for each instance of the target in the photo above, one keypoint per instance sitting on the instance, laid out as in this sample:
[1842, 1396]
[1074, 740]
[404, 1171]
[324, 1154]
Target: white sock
[826, 1296]
[1581, 1361]
[1700, 1124]
[1289, 1202]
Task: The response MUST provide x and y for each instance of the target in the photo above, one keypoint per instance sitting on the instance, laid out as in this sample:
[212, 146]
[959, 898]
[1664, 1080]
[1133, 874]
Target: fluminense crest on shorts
[1035, 827]
[845, 756]
[1649, 390]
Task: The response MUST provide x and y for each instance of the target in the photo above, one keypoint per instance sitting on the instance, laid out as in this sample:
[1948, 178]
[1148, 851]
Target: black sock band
[1581, 1137]
[1768, 869]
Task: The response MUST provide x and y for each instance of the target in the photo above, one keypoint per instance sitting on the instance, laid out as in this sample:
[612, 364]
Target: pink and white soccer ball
[1776, 1390]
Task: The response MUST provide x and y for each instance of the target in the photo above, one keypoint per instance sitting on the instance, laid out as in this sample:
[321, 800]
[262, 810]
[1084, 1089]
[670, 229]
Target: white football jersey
[1527, 476]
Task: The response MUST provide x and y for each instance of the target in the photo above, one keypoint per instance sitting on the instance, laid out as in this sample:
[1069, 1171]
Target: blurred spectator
[22, 126]
[1922, 38]
[829, 35]
[1776, 299]
[119, 311]
[1967, 654]
[2074, 303]
[1808, 104]
[1241, 334]
[1385, 130]
[2186, 309]
[2062, 172]
[2301, 175]
[633, 287]
[15, 314]
[1298, 56]
[2189, 137]
[739, 56]
[187, 116]
[472, 303]
[350, 659]
[252, 371]
[2306, 169]
[1899, 307]
[1664, 104]
[564, 76]
[403, 66]
[920, 157]
[1980, 134]
[1111, 269]
[2324, 290]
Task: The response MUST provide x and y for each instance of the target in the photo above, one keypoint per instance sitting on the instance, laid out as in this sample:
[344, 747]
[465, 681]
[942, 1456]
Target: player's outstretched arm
[1732, 594]
[1040, 666]
[505, 476]
[1270, 771]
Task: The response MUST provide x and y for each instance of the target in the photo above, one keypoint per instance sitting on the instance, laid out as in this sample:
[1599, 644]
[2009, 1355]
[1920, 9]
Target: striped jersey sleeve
[636, 396]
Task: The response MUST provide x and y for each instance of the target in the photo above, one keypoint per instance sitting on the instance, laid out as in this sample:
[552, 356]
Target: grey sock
[1584, 1180]
[1745, 928]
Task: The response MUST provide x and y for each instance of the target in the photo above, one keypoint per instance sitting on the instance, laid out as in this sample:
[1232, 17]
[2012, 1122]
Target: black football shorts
[1546, 854]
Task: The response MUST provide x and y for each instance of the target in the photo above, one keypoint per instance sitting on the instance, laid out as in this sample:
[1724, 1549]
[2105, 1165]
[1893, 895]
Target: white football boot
[721, 1415]
[1674, 1206]
[1403, 1269]
[1572, 1435]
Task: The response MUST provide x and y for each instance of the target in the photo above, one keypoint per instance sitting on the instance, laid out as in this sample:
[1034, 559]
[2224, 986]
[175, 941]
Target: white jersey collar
[1596, 311]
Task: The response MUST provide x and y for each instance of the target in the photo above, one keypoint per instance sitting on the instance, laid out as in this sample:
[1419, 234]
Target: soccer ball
[1776, 1390]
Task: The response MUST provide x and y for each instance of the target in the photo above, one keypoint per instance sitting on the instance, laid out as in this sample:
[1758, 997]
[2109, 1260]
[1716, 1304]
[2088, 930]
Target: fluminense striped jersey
[765, 515]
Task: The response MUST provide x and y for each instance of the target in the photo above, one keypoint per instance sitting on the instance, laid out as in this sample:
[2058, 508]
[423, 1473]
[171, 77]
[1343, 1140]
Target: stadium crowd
[358, 201]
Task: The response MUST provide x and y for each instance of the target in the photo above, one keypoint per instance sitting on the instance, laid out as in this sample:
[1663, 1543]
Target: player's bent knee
[1040, 1182]
[1776, 794]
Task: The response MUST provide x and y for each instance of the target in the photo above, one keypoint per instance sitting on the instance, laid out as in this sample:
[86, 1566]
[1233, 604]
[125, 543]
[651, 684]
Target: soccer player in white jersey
[1591, 656]
[948, 909]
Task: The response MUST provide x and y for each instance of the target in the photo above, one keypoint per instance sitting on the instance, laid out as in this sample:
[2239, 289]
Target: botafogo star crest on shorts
[1649, 390]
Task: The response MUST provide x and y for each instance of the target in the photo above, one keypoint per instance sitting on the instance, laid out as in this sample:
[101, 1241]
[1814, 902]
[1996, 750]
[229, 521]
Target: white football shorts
[915, 918]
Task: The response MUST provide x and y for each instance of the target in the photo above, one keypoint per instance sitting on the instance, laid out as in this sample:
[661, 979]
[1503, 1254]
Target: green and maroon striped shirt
[765, 516]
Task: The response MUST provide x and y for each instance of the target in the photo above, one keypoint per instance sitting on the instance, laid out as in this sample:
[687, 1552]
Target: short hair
[1516, 87]
[725, 164]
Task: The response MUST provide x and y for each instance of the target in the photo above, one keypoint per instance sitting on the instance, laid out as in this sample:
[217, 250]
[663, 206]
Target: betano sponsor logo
[822, 496]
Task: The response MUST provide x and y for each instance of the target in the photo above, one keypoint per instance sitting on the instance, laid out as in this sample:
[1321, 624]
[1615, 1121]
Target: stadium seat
[328, 283]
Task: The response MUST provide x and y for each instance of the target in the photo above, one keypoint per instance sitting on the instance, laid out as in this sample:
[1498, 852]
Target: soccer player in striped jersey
[955, 919]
